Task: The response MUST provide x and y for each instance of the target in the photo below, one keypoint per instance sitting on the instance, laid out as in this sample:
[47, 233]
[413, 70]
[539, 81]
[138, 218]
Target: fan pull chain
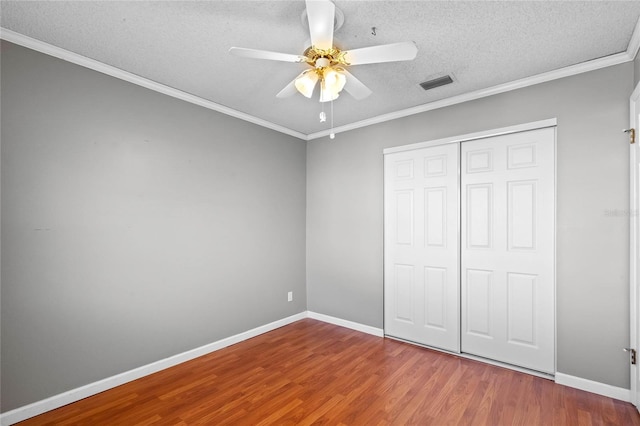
[332, 135]
[323, 116]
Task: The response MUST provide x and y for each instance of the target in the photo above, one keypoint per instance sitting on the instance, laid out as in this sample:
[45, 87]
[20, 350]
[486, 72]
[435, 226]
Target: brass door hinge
[632, 135]
[632, 353]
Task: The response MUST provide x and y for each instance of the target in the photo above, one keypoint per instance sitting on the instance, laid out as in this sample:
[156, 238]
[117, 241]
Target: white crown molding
[634, 43]
[569, 71]
[595, 64]
[607, 61]
[77, 59]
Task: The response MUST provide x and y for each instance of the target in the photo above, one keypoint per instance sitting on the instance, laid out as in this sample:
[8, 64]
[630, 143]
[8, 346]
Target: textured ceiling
[185, 45]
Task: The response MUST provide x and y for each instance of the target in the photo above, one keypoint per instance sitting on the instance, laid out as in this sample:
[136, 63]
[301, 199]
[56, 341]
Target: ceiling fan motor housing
[334, 56]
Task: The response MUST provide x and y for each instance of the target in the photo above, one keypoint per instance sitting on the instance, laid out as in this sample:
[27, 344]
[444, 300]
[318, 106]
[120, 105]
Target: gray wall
[345, 206]
[134, 226]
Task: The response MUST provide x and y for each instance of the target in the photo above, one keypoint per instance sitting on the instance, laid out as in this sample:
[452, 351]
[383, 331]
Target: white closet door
[421, 246]
[507, 274]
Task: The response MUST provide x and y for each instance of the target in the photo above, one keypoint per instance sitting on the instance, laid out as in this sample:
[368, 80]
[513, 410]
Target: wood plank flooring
[310, 372]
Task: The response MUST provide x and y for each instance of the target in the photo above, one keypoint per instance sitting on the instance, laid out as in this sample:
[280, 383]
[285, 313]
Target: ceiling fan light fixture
[333, 82]
[328, 96]
[306, 82]
[334, 79]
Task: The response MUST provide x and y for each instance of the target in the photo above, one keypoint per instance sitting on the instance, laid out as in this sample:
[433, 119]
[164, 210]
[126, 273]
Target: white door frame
[634, 240]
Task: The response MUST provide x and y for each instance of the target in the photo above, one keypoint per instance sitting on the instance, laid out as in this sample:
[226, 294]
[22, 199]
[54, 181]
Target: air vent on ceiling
[436, 82]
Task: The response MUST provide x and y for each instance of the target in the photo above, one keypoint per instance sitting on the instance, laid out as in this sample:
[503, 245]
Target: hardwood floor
[310, 372]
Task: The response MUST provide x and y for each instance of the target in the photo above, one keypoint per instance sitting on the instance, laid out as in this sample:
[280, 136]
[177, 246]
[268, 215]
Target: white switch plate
[290, 296]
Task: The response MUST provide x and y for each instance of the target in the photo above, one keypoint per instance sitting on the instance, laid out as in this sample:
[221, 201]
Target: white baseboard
[36, 408]
[614, 392]
[594, 387]
[56, 401]
[345, 323]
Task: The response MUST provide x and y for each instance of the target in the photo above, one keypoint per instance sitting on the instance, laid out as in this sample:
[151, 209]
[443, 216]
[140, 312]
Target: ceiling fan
[328, 63]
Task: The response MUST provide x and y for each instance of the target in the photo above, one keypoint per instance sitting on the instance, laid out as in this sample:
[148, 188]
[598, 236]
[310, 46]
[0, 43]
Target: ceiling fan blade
[265, 54]
[404, 51]
[289, 90]
[320, 14]
[355, 87]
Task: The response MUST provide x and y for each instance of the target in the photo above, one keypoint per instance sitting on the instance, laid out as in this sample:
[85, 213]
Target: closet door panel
[421, 246]
[508, 248]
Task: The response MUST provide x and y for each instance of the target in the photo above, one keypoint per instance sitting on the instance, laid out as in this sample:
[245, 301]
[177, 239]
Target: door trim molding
[534, 125]
[634, 235]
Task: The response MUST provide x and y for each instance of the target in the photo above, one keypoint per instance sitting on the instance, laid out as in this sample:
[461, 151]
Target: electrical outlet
[290, 296]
